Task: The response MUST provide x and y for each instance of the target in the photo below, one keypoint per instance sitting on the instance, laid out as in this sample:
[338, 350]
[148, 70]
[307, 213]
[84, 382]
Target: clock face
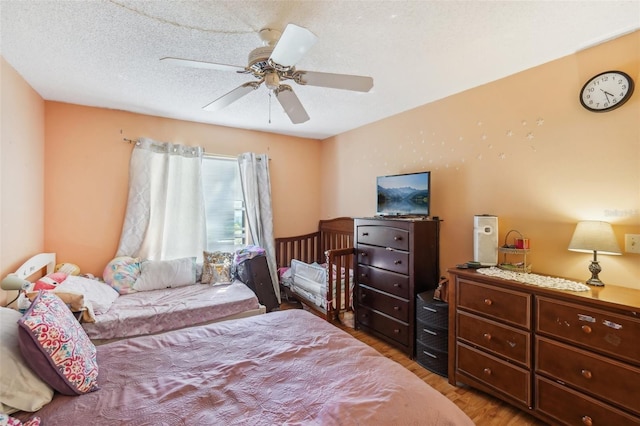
[606, 91]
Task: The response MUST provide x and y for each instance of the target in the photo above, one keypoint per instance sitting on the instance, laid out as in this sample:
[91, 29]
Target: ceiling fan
[273, 63]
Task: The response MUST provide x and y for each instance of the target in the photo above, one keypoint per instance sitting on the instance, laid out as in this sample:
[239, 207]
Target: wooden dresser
[565, 357]
[395, 260]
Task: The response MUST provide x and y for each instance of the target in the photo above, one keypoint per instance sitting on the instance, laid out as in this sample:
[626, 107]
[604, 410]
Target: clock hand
[607, 94]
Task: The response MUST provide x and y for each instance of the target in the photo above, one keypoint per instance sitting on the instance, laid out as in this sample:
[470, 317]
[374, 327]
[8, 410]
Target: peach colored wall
[87, 166]
[522, 148]
[21, 172]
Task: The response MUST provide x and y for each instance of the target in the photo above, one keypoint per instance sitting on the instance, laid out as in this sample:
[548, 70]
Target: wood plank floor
[483, 409]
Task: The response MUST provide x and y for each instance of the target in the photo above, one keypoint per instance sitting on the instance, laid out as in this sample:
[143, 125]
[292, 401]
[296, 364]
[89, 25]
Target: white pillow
[20, 387]
[100, 295]
[157, 274]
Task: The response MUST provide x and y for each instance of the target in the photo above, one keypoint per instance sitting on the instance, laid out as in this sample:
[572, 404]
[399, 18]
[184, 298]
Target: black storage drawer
[431, 311]
[432, 359]
[432, 336]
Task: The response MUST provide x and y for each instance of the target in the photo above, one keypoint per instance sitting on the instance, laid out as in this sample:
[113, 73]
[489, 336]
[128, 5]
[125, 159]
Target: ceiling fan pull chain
[270, 106]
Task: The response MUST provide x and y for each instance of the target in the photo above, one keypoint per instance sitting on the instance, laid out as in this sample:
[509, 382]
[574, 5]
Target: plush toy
[68, 268]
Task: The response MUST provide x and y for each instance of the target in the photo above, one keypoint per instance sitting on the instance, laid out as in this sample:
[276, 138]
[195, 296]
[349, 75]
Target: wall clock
[606, 91]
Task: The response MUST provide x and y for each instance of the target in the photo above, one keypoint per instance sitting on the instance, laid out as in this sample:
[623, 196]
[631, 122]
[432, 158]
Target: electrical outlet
[632, 243]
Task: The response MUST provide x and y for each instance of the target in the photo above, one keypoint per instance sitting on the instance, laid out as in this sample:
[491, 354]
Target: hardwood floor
[483, 409]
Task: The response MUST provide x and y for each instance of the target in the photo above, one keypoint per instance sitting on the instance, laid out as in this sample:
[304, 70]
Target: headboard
[332, 234]
[36, 263]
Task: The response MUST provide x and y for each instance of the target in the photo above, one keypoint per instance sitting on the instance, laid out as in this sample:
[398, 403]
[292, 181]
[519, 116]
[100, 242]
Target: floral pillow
[217, 267]
[12, 421]
[56, 347]
[121, 273]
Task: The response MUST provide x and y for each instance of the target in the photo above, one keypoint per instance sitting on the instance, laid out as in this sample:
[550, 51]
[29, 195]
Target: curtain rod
[204, 153]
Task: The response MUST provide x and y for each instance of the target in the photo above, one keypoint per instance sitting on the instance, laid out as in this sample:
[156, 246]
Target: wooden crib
[332, 245]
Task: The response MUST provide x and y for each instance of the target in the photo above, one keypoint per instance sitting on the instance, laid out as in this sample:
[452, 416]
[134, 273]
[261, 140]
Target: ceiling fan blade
[232, 96]
[335, 81]
[200, 64]
[294, 42]
[291, 104]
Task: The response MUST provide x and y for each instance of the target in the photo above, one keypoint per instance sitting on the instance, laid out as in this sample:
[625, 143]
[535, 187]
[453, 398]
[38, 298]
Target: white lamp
[597, 237]
[14, 282]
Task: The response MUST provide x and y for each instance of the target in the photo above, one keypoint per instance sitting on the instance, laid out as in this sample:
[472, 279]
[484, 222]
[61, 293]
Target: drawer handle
[363, 254]
[586, 420]
[488, 302]
[487, 371]
[397, 331]
[396, 285]
[426, 330]
[487, 336]
[364, 276]
[365, 234]
[397, 262]
[429, 354]
[430, 309]
[396, 308]
[397, 238]
[586, 329]
[586, 374]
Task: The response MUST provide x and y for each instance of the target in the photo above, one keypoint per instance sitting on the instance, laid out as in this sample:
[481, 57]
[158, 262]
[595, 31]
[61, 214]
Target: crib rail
[333, 244]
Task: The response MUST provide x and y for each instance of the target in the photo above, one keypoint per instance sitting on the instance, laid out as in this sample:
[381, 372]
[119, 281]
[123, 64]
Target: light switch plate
[632, 243]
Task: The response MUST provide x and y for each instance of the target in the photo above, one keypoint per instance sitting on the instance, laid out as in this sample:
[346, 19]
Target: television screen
[404, 195]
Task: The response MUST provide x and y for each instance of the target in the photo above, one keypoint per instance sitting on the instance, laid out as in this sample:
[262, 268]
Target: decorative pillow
[12, 421]
[157, 274]
[121, 273]
[100, 295]
[20, 387]
[56, 347]
[220, 273]
[50, 281]
[211, 259]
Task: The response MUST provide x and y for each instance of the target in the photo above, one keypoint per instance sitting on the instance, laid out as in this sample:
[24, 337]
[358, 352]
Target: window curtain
[165, 216]
[256, 189]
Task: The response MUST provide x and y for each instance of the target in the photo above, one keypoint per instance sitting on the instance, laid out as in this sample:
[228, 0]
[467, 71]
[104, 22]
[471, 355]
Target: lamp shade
[592, 235]
[14, 282]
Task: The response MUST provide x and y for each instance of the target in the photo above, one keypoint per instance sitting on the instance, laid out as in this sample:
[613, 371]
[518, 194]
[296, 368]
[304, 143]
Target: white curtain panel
[165, 216]
[256, 189]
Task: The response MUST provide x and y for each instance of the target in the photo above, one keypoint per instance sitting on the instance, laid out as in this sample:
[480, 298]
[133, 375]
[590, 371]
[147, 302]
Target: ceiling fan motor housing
[259, 60]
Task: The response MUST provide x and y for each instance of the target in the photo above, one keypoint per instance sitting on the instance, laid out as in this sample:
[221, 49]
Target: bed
[108, 316]
[316, 269]
[286, 367]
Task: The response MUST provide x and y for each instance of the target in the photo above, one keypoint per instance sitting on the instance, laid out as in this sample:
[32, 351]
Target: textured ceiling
[106, 53]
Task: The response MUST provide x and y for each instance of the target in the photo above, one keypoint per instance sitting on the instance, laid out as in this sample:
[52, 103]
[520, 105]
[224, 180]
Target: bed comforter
[288, 367]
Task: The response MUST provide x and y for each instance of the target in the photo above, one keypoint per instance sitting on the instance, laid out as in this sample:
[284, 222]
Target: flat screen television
[404, 195]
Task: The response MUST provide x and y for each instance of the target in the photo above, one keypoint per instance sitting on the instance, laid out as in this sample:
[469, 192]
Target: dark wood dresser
[395, 260]
[565, 357]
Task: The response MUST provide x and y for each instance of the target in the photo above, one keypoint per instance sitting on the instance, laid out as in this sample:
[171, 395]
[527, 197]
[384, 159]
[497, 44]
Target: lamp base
[595, 269]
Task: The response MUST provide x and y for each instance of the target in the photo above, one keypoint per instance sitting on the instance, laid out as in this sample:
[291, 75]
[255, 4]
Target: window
[224, 205]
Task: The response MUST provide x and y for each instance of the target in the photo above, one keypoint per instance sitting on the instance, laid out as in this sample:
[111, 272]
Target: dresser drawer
[573, 408]
[506, 378]
[390, 282]
[380, 257]
[390, 305]
[603, 378]
[498, 338]
[598, 330]
[384, 236]
[501, 304]
[386, 326]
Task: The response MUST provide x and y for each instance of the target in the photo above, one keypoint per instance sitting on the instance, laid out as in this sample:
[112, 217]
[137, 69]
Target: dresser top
[610, 295]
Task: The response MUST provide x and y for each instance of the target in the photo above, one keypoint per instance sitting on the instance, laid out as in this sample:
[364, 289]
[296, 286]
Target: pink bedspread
[288, 367]
[150, 312]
